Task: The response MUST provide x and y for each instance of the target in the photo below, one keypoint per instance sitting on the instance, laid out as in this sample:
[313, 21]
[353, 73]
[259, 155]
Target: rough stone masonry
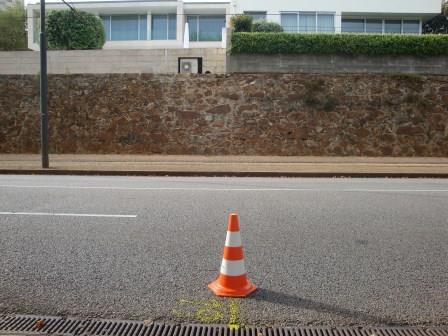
[259, 114]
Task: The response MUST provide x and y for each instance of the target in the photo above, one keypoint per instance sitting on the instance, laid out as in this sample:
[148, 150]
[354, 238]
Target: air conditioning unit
[190, 65]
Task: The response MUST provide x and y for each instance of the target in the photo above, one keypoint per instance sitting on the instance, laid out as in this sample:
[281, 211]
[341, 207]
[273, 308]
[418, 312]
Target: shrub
[266, 27]
[342, 44]
[12, 28]
[73, 29]
[437, 25]
[241, 23]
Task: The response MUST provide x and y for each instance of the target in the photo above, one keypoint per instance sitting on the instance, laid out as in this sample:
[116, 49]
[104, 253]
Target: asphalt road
[322, 251]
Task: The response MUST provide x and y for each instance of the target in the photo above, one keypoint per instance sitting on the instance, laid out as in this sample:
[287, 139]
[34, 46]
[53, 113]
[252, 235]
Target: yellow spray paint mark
[209, 311]
[206, 311]
[234, 313]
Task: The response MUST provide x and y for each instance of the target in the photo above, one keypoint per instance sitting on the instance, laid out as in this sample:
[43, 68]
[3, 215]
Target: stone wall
[262, 114]
[110, 61]
[327, 64]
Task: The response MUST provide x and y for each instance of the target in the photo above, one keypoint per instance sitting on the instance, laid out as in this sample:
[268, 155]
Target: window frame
[386, 21]
[383, 24]
[363, 20]
[197, 16]
[110, 16]
[316, 16]
[309, 14]
[296, 14]
[333, 14]
[167, 18]
[408, 20]
[373, 19]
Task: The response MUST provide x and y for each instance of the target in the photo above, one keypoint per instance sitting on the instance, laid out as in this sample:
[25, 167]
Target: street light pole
[43, 88]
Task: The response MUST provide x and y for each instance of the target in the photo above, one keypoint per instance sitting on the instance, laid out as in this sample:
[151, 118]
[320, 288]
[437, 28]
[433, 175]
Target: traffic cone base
[232, 286]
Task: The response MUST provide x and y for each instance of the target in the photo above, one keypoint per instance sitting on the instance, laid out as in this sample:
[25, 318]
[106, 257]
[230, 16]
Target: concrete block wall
[328, 64]
[215, 60]
[110, 61]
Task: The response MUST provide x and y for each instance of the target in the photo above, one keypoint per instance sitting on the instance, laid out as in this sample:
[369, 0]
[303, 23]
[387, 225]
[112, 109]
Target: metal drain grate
[26, 324]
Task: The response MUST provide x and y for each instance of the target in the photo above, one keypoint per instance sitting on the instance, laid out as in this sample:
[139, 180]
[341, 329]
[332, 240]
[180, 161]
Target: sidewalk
[192, 165]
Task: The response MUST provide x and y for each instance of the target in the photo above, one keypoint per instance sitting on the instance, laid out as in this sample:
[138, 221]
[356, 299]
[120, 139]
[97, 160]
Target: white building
[160, 23]
[142, 24]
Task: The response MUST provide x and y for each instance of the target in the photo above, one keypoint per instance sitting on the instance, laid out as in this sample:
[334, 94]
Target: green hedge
[339, 44]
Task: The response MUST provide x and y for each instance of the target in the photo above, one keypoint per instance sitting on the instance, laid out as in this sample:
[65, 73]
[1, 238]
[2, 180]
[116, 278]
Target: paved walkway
[226, 165]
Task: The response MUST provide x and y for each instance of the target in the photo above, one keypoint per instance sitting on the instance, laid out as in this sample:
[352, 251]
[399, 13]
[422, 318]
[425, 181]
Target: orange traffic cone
[232, 280]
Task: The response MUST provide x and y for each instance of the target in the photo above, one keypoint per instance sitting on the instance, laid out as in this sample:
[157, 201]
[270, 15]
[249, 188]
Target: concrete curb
[220, 173]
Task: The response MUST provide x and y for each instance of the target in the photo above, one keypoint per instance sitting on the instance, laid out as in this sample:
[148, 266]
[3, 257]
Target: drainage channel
[45, 325]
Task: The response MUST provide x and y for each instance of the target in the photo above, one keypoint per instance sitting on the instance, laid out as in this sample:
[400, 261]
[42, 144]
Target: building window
[353, 25]
[392, 27]
[206, 27]
[106, 25]
[411, 27]
[289, 22]
[163, 27]
[125, 27]
[379, 26]
[374, 26]
[325, 23]
[307, 22]
[257, 16]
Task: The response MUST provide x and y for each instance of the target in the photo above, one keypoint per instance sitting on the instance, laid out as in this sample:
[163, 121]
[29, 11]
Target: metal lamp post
[43, 88]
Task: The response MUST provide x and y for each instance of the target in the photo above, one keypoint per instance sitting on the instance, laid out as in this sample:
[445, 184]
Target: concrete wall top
[333, 64]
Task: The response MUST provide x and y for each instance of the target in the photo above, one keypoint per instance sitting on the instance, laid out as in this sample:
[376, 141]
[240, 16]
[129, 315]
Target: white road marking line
[64, 214]
[219, 189]
[155, 188]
